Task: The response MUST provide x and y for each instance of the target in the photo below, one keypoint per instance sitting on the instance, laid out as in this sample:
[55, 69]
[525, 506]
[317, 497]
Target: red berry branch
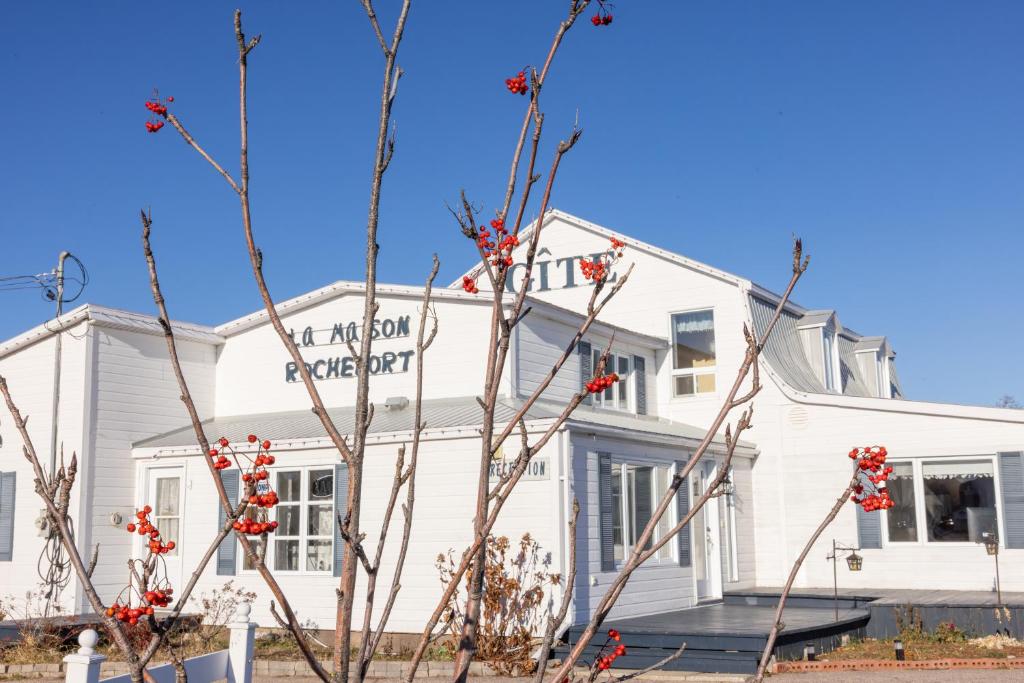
[159, 109]
[597, 269]
[868, 492]
[603, 16]
[255, 476]
[517, 84]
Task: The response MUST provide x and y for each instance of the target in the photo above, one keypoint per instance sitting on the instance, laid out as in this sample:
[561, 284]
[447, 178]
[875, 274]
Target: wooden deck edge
[885, 664]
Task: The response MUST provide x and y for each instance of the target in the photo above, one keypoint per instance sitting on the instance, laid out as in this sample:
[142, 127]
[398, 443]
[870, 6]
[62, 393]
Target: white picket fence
[233, 664]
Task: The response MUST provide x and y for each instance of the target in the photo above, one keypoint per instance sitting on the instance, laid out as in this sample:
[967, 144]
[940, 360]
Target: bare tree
[55, 492]
[863, 488]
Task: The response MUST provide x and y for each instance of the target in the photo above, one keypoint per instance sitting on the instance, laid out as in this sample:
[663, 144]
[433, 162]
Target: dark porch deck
[727, 638]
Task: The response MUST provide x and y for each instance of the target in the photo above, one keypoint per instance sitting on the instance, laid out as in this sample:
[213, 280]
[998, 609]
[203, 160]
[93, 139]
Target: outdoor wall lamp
[853, 561]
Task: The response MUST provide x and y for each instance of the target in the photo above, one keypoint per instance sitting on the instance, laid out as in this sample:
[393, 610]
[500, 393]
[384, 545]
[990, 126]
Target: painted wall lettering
[536, 470]
[552, 273]
[340, 367]
[345, 332]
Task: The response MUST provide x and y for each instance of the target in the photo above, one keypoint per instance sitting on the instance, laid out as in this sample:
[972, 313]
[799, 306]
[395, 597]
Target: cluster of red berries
[604, 661]
[252, 527]
[597, 269]
[469, 284]
[159, 109]
[873, 472]
[599, 384]
[517, 85]
[600, 19]
[593, 270]
[500, 253]
[144, 527]
[220, 461]
[129, 615]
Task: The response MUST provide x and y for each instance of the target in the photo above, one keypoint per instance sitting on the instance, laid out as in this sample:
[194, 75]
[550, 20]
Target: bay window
[636, 490]
[942, 501]
[304, 538]
[693, 353]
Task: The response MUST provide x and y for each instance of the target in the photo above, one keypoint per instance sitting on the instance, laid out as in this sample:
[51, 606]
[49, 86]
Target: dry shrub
[513, 603]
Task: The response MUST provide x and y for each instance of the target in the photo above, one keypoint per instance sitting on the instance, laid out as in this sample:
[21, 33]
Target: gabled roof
[334, 291]
[111, 318]
[815, 318]
[631, 243]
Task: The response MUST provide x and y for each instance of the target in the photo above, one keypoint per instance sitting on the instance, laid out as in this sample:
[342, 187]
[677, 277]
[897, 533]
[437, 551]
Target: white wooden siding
[655, 587]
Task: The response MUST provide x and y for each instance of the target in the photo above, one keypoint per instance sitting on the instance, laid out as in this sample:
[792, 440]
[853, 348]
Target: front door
[165, 493]
[707, 563]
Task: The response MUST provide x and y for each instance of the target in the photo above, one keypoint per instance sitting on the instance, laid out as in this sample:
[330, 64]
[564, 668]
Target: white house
[959, 470]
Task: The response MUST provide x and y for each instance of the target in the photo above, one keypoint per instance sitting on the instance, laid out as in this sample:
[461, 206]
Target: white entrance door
[165, 492]
[707, 561]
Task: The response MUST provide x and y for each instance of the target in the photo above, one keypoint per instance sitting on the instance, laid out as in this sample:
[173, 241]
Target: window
[959, 500]
[636, 490]
[829, 345]
[902, 518]
[167, 515]
[304, 538]
[951, 500]
[616, 396]
[693, 353]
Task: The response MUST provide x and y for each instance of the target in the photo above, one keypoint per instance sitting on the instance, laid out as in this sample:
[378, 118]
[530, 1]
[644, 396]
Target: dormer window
[873, 354]
[830, 360]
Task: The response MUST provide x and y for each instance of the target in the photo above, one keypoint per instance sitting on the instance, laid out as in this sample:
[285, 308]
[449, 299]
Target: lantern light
[855, 562]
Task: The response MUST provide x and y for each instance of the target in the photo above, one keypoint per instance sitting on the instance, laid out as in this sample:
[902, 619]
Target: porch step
[725, 638]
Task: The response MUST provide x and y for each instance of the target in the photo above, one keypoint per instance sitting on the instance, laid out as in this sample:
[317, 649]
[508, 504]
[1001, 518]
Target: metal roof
[437, 414]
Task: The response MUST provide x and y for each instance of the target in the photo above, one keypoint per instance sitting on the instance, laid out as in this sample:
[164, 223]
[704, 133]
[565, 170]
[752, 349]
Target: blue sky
[888, 135]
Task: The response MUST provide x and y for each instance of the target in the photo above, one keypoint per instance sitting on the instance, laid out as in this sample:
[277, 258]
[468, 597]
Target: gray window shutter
[7, 480]
[644, 505]
[682, 507]
[1011, 481]
[228, 550]
[604, 497]
[640, 370]
[340, 505]
[586, 367]
[869, 528]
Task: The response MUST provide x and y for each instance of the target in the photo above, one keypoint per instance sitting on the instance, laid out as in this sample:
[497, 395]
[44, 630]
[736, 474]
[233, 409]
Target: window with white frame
[829, 360]
[617, 396]
[304, 538]
[693, 353]
[942, 501]
[636, 490]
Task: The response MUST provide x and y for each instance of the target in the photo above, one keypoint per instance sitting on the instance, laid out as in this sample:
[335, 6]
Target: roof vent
[396, 402]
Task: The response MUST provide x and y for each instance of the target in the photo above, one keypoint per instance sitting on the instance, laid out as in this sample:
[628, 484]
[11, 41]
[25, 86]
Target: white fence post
[240, 649]
[84, 665]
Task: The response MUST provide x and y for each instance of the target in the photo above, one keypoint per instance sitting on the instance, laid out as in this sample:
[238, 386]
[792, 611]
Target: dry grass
[926, 649]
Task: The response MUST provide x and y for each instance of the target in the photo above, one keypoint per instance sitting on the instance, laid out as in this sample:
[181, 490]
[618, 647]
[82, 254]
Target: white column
[240, 649]
[84, 665]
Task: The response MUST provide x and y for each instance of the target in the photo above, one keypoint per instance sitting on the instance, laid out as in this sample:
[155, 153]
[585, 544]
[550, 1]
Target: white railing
[233, 664]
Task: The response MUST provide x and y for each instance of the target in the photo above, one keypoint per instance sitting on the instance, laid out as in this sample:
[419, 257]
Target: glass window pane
[643, 504]
[321, 520]
[321, 484]
[617, 540]
[287, 520]
[623, 384]
[662, 478]
[959, 500]
[685, 386]
[289, 486]
[902, 518]
[286, 555]
[319, 556]
[705, 384]
[169, 531]
[829, 369]
[257, 546]
[168, 491]
[693, 340]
